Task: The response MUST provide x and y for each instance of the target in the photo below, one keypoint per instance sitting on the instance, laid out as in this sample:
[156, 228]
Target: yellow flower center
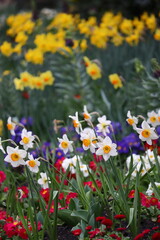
[15, 157]
[106, 149]
[75, 123]
[46, 79]
[146, 133]
[94, 141]
[86, 142]
[153, 119]
[130, 121]
[104, 125]
[115, 81]
[64, 144]
[25, 79]
[86, 116]
[9, 126]
[93, 72]
[15, 223]
[39, 84]
[25, 140]
[71, 165]
[32, 163]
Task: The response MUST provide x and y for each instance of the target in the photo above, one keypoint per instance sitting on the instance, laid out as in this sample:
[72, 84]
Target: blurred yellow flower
[6, 49]
[115, 80]
[157, 34]
[35, 56]
[21, 38]
[94, 71]
[47, 77]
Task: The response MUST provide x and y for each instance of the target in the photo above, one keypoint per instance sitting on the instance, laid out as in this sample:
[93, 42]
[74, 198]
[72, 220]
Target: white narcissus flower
[131, 120]
[103, 125]
[143, 169]
[76, 123]
[11, 126]
[65, 144]
[27, 139]
[15, 156]
[146, 133]
[71, 164]
[1, 147]
[33, 164]
[88, 139]
[106, 148]
[150, 189]
[86, 115]
[135, 158]
[84, 170]
[44, 180]
[153, 118]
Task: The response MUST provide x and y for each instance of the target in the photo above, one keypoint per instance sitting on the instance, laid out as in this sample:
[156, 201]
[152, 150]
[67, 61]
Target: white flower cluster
[71, 164]
[146, 132]
[101, 145]
[141, 163]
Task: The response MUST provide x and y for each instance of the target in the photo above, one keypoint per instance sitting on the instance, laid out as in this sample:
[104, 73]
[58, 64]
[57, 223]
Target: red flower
[131, 194]
[99, 218]
[5, 189]
[76, 232]
[114, 236]
[121, 229]
[45, 193]
[94, 232]
[146, 231]
[145, 202]
[3, 215]
[88, 228]
[119, 216]
[23, 192]
[77, 96]
[70, 196]
[2, 177]
[61, 196]
[107, 222]
[139, 236]
[22, 233]
[25, 94]
[153, 201]
[93, 165]
[156, 236]
[155, 228]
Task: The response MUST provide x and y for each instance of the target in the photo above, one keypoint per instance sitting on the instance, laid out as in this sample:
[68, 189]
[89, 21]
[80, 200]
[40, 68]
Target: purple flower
[17, 137]
[59, 153]
[27, 121]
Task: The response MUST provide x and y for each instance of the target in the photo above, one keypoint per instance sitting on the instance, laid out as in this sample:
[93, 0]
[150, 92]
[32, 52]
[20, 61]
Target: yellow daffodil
[115, 80]
[94, 71]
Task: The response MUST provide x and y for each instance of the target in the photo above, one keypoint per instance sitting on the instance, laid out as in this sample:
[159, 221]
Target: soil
[64, 233]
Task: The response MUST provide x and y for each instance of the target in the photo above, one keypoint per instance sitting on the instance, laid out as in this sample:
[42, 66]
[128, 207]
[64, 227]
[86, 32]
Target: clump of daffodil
[94, 71]
[34, 82]
[115, 80]
[92, 68]
[21, 38]
[21, 22]
[34, 56]
[47, 77]
[50, 42]
[62, 21]
[6, 49]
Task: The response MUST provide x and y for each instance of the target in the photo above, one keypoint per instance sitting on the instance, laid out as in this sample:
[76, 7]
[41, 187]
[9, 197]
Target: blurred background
[85, 8]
